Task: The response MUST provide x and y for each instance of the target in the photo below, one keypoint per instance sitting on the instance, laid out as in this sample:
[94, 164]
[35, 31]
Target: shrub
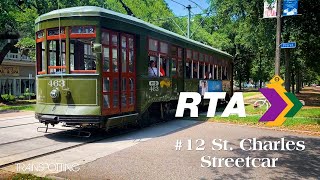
[12, 97]
[8, 97]
[5, 97]
[21, 97]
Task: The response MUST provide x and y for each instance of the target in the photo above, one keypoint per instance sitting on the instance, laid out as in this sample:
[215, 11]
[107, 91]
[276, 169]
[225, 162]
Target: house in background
[17, 73]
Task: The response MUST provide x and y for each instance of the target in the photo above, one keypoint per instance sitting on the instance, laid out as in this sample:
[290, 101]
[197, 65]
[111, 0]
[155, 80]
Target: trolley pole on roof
[278, 38]
[189, 19]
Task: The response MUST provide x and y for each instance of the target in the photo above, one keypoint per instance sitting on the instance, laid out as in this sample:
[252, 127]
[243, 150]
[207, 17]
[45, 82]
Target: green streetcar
[99, 68]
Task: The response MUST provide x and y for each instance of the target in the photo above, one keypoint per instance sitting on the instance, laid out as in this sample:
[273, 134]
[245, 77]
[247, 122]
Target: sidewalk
[10, 114]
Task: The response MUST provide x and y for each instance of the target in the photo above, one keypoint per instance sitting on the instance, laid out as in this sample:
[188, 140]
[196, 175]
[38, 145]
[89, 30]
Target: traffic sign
[288, 45]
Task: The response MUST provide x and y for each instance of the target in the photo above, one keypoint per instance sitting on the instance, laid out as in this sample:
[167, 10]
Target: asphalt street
[158, 158]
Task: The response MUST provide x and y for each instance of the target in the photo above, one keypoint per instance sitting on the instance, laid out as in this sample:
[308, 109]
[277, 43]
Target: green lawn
[248, 94]
[305, 112]
[18, 108]
[28, 177]
[307, 119]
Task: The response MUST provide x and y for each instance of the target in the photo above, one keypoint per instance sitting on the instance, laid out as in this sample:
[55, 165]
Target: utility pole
[189, 19]
[278, 38]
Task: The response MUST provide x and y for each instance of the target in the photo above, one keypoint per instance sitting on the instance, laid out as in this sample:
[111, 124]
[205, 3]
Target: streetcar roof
[97, 11]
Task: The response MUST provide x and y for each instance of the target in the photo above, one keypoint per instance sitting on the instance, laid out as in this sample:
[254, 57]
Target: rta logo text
[283, 104]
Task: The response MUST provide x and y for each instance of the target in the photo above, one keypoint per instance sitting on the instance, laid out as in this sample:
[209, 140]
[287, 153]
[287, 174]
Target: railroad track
[4, 127]
[47, 144]
[36, 152]
[20, 117]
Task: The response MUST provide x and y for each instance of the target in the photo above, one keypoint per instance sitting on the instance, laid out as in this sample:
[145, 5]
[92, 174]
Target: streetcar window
[163, 48]
[173, 66]
[224, 74]
[124, 60]
[227, 77]
[106, 61]
[179, 53]
[210, 71]
[115, 94]
[215, 72]
[174, 55]
[131, 98]
[115, 100]
[106, 103]
[164, 67]
[41, 57]
[124, 84]
[114, 40]
[131, 84]
[57, 60]
[218, 72]
[131, 57]
[153, 45]
[180, 68]
[152, 69]
[195, 70]
[206, 58]
[189, 54]
[106, 84]
[207, 74]
[81, 55]
[201, 57]
[188, 70]
[123, 94]
[124, 53]
[201, 69]
[105, 38]
[131, 87]
[115, 59]
[195, 55]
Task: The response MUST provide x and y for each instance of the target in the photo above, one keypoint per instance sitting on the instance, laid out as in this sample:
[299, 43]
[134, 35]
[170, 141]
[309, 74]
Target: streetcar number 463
[57, 83]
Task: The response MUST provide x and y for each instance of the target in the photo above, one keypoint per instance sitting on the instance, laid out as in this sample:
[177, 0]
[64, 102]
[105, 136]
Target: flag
[270, 9]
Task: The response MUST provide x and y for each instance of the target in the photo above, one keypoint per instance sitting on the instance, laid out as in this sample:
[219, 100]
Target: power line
[197, 5]
[179, 3]
[201, 22]
[176, 17]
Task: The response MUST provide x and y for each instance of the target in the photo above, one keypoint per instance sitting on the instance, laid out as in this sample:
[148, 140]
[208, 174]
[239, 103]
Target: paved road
[158, 159]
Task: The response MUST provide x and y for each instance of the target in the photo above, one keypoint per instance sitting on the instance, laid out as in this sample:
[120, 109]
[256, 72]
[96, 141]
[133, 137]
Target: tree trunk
[288, 69]
[292, 82]
[6, 49]
[260, 71]
[297, 82]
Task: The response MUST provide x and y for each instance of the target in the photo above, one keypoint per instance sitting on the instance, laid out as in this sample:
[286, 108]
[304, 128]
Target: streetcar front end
[68, 80]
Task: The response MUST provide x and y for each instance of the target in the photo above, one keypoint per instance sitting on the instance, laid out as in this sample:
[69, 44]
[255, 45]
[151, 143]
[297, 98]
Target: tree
[17, 20]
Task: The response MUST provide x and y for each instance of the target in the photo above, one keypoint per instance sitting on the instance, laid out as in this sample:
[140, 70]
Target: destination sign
[53, 32]
[82, 30]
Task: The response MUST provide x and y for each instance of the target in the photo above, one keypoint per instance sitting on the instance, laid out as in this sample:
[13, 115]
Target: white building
[17, 72]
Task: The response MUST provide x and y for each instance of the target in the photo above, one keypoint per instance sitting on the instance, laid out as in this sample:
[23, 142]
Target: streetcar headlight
[54, 94]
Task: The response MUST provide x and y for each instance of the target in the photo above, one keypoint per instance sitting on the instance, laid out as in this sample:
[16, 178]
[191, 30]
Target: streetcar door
[118, 72]
[127, 75]
[110, 73]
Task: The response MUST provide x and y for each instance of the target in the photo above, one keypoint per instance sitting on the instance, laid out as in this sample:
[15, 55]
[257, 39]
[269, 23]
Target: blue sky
[179, 10]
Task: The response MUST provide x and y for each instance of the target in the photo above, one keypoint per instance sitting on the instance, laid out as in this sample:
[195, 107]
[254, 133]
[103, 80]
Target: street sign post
[288, 45]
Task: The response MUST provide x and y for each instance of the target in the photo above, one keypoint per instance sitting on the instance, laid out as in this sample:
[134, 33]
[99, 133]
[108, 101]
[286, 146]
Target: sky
[179, 10]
